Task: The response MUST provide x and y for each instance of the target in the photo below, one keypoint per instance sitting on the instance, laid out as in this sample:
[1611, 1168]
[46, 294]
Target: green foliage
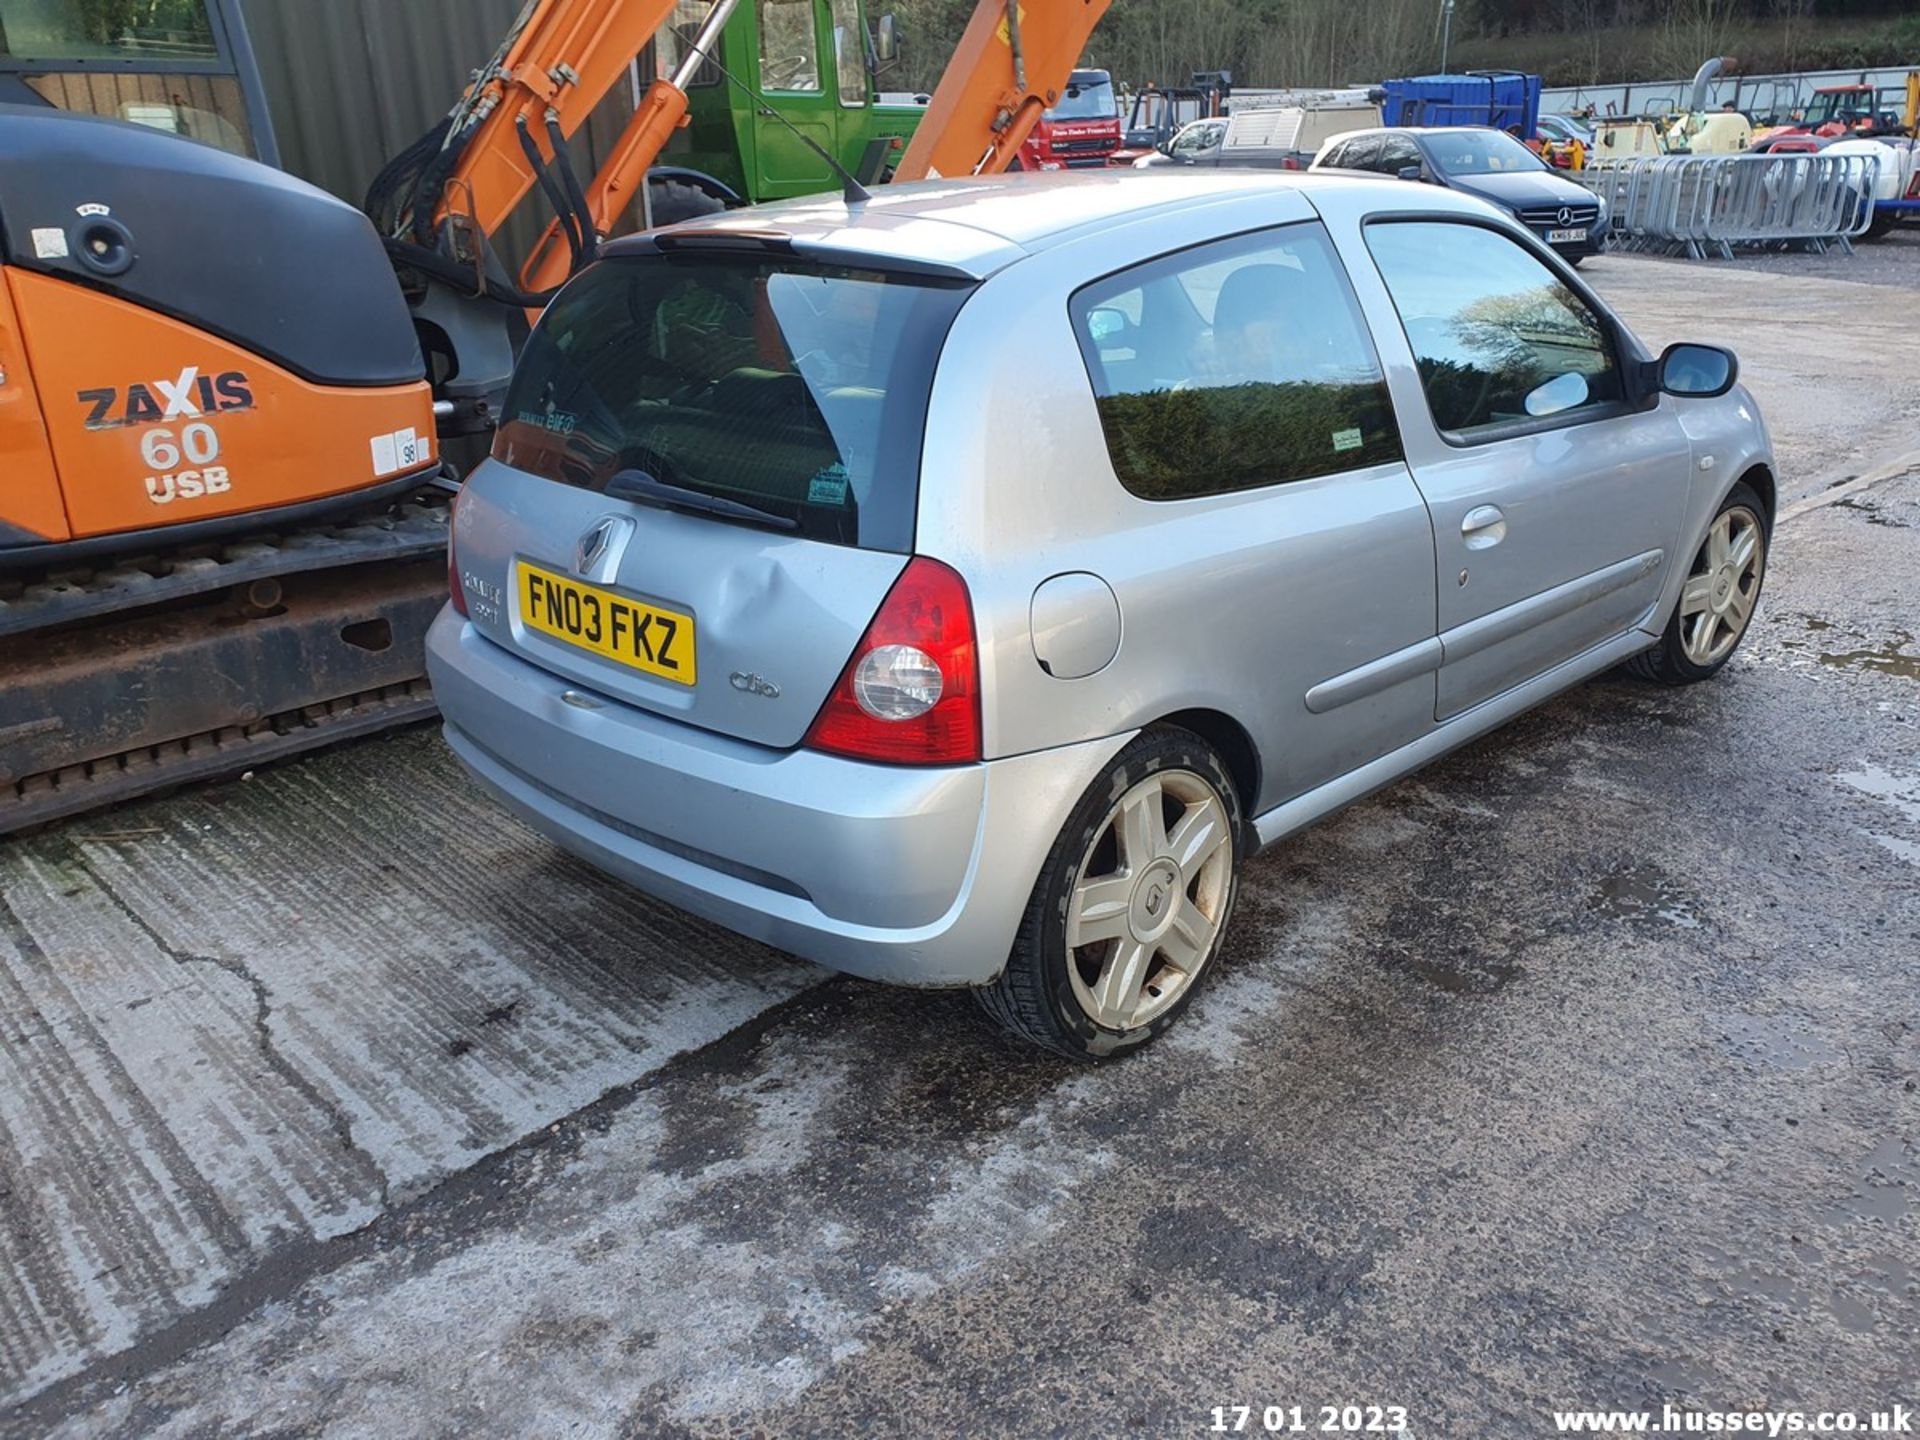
[1169, 444]
[105, 22]
[1340, 42]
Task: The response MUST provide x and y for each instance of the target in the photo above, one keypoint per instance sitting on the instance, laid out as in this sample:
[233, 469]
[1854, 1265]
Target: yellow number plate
[642, 636]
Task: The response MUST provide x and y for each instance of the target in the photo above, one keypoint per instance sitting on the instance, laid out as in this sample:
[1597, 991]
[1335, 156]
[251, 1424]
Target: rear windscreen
[791, 391]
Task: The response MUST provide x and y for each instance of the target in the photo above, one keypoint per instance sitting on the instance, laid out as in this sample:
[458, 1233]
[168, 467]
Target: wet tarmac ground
[1578, 1070]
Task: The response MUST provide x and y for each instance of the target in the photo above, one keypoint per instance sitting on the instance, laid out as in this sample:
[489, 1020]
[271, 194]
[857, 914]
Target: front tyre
[1131, 905]
[1717, 602]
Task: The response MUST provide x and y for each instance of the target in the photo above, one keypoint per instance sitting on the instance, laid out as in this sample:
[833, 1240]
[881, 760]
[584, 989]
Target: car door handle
[1483, 526]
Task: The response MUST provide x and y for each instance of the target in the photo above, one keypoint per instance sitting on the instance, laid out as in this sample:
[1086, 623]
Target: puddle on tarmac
[1473, 976]
[1902, 793]
[1891, 659]
[1643, 893]
[1817, 1289]
[1781, 1042]
[1888, 1187]
[1907, 850]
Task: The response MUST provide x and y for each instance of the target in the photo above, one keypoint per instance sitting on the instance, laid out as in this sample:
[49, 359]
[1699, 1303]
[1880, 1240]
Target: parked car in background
[1277, 137]
[1197, 143]
[1294, 485]
[1564, 130]
[1487, 164]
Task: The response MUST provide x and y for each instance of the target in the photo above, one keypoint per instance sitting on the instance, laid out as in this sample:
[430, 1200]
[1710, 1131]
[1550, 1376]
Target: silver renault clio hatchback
[957, 588]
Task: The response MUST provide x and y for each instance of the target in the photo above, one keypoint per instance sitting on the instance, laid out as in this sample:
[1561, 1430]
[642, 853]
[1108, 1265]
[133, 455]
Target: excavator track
[171, 668]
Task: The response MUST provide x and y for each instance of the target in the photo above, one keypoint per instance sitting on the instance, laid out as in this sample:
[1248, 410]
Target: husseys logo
[189, 397]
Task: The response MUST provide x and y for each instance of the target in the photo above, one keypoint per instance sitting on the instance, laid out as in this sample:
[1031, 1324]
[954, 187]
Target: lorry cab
[1082, 129]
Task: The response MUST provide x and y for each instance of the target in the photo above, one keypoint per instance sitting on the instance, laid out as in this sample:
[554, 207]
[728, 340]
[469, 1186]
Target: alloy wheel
[1717, 601]
[1148, 899]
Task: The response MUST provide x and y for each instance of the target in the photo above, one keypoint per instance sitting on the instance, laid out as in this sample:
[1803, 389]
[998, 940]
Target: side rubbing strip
[1511, 620]
[1374, 676]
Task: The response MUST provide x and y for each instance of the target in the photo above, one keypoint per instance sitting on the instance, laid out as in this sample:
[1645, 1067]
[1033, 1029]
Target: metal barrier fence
[1701, 204]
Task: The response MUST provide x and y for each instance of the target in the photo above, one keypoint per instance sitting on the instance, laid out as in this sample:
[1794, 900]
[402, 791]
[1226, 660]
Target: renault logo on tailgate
[592, 545]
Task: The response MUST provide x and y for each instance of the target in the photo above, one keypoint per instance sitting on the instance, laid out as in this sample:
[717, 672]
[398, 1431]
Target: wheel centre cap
[1722, 588]
[1155, 899]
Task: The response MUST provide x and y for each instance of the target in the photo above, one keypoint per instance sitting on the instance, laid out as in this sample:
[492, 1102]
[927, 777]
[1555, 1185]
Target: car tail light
[456, 592]
[910, 693]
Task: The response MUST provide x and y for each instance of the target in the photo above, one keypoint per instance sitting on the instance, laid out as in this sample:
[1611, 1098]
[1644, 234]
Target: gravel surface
[1894, 261]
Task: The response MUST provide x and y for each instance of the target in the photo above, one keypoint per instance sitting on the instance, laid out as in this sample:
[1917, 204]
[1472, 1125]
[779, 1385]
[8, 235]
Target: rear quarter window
[1236, 364]
[799, 391]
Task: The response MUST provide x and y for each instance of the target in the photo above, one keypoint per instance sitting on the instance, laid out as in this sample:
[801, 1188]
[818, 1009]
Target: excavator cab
[183, 67]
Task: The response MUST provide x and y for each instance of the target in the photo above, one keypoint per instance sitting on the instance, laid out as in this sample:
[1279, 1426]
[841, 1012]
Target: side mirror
[1697, 372]
[886, 43]
[1411, 172]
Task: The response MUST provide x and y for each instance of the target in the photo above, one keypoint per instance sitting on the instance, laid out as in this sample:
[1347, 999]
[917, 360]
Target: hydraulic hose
[460, 278]
[556, 196]
[570, 178]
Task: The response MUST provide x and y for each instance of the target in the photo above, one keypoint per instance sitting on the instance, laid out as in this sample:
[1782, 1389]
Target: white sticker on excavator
[402, 450]
[50, 244]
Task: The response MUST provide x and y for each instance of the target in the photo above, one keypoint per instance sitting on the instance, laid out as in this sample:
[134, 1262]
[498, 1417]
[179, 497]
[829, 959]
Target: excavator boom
[1011, 65]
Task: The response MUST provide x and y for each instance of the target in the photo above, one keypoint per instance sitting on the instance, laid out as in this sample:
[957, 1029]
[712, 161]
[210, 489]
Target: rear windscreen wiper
[639, 485]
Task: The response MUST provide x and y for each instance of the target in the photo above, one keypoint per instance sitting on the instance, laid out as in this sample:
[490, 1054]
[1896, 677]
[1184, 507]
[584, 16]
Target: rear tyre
[676, 200]
[1717, 602]
[1131, 905]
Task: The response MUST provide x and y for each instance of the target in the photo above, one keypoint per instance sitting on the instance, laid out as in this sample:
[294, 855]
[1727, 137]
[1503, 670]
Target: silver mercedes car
[957, 588]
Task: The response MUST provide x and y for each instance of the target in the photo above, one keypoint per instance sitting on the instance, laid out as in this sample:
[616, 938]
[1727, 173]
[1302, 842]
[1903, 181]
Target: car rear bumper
[915, 876]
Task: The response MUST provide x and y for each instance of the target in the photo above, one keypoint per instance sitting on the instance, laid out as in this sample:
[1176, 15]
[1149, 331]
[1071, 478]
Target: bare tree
[1692, 31]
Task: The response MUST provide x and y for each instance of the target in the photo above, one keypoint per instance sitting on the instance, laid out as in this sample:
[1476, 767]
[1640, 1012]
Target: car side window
[1498, 337]
[1359, 154]
[1397, 152]
[1235, 364]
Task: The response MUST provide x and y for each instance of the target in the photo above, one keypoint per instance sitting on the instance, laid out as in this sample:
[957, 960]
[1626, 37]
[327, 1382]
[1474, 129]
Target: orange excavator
[222, 513]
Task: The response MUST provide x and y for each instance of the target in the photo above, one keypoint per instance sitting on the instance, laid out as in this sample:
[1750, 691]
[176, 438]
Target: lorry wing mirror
[886, 43]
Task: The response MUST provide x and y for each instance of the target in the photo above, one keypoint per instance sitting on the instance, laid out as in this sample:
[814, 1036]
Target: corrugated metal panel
[351, 83]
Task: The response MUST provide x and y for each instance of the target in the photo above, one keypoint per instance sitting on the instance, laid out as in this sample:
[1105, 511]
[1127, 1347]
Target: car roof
[1415, 130]
[975, 226]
